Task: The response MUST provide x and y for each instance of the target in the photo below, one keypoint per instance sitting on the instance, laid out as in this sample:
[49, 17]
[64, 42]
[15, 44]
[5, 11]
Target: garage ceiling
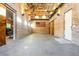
[38, 10]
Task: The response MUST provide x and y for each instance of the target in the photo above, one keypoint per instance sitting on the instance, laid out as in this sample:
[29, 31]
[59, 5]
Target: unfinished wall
[75, 7]
[22, 27]
[44, 30]
[59, 21]
[75, 18]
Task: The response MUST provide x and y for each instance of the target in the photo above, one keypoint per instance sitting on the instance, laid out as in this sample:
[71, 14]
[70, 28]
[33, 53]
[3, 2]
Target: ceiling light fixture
[36, 17]
[44, 17]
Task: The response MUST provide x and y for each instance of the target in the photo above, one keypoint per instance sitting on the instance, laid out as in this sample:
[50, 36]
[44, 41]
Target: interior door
[2, 30]
[68, 25]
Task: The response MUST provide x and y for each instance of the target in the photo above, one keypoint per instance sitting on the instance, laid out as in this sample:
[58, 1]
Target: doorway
[68, 25]
[10, 23]
[7, 23]
[51, 30]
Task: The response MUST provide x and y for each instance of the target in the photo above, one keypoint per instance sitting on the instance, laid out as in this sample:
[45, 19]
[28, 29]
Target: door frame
[14, 19]
[52, 22]
[64, 21]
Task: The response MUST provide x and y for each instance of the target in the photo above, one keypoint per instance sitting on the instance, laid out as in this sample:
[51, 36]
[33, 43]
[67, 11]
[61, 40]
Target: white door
[68, 25]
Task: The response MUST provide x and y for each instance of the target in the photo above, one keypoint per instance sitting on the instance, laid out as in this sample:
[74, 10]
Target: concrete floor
[39, 45]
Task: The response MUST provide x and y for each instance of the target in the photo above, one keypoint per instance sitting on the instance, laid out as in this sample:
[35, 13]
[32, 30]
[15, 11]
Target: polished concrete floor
[39, 45]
